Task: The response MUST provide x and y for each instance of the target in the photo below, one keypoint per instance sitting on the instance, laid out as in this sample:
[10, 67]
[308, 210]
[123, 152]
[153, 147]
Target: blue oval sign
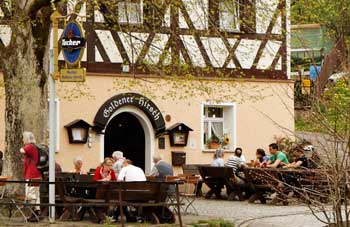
[73, 43]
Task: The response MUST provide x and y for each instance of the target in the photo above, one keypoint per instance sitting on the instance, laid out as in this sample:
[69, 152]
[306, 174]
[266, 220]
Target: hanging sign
[73, 43]
[73, 75]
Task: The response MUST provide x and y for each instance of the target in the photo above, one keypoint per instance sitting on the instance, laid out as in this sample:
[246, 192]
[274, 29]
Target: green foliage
[335, 15]
[336, 105]
[331, 114]
[213, 223]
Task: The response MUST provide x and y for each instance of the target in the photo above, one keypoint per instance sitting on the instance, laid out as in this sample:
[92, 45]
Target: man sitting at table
[161, 168]
[234, 161]
[277, 158]
[300, 159]
[129, 172]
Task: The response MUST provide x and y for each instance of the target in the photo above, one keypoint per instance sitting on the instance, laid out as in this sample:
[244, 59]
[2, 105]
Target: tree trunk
[26, 98]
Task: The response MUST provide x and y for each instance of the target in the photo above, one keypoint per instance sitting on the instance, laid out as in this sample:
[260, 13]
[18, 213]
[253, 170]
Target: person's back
[233, 162]
[219, 162]
[131, 173]
[164, 169]
[161, 169]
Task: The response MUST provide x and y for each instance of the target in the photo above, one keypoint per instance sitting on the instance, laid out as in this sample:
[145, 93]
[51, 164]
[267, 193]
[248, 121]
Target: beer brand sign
[107, 110]
[73, 43]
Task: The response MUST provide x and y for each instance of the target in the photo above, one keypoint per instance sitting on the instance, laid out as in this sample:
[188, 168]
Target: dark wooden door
[125, 133]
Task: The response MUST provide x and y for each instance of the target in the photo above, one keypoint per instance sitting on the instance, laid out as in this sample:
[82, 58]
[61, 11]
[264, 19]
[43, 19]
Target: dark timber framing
[154, 14]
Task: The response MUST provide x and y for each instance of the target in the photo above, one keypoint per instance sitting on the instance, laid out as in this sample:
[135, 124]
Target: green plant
[213, 139]
[213, 223]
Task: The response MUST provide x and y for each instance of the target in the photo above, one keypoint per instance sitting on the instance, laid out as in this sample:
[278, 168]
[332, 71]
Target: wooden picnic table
[280, 180]
[149, 198]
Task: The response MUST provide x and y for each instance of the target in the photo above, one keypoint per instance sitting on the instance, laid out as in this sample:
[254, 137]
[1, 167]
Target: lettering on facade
[141, 102]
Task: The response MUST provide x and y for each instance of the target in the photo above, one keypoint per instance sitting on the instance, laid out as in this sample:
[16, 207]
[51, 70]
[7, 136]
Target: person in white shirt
[129, 172]
[218, 160]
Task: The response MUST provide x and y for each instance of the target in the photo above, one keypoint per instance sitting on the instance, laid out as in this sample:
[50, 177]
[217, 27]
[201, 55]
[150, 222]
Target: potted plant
[213, 142]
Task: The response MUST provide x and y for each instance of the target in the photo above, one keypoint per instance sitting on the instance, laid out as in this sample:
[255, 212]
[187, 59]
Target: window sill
[213, 151]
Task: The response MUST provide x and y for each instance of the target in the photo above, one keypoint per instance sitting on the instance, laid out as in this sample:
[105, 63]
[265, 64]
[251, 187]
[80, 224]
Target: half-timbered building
[219, 67]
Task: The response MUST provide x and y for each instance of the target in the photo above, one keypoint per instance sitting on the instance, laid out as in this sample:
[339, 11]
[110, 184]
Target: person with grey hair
[78, 165]
[161, 168]
[118, 158]
[218, 158]
[31, 172]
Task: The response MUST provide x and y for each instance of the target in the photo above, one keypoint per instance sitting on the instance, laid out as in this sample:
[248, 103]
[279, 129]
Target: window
[130, 12]
[229, 15]
[218, 126]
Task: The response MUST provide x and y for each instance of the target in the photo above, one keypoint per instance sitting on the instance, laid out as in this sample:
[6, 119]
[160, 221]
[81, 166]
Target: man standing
[161, 168]
[31, 172]
[277, 158]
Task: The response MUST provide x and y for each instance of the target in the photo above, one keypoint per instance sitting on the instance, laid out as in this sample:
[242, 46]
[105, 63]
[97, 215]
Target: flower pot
[213, 145]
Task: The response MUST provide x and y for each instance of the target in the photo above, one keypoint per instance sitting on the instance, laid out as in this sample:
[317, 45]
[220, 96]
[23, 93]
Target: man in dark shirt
[300, 159]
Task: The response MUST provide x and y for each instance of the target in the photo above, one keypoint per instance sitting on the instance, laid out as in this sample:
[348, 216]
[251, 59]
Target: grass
[213, 223]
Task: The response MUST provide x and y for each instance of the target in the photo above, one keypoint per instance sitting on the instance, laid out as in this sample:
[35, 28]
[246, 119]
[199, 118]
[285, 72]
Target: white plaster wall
[258, 120]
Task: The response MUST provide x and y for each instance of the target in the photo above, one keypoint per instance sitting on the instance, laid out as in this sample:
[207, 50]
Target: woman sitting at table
[105, 172]
[78, 164]
[261, 156]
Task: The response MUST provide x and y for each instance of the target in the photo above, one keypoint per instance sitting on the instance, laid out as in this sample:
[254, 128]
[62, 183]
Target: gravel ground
[242, 214]
[257, 215]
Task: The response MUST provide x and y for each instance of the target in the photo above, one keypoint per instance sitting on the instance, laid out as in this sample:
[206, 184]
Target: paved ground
[241, 213]
[258, 215]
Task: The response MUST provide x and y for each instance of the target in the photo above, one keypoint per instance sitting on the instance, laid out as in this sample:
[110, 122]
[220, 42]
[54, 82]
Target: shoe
[34, 218]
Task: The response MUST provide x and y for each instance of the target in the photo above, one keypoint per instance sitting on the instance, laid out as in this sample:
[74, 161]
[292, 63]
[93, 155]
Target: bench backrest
[215, 172]
[133, 191]
[190, 169]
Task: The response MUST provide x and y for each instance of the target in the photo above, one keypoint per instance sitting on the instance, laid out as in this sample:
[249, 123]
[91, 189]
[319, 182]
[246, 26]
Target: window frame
[236, 17]
[125, 2]
[233, 127]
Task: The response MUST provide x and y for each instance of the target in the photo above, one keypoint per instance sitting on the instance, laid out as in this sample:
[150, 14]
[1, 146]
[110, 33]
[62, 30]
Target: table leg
[178, 204]
[122, 217]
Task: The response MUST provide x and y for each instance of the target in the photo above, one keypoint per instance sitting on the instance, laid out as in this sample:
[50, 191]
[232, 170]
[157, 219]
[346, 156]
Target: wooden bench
[216, 178]
[149, 198]
[313, 185]
[261, 181]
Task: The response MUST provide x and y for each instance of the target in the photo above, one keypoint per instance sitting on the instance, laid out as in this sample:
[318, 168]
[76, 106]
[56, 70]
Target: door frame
[148, 131]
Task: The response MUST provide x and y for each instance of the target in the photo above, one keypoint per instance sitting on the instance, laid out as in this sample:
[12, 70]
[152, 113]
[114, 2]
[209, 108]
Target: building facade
[218, 67]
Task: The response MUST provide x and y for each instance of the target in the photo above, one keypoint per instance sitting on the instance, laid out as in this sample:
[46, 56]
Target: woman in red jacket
[105, 172]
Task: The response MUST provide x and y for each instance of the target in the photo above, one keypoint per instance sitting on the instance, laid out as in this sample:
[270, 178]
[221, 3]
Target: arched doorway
[124, 132]
[139, 107]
